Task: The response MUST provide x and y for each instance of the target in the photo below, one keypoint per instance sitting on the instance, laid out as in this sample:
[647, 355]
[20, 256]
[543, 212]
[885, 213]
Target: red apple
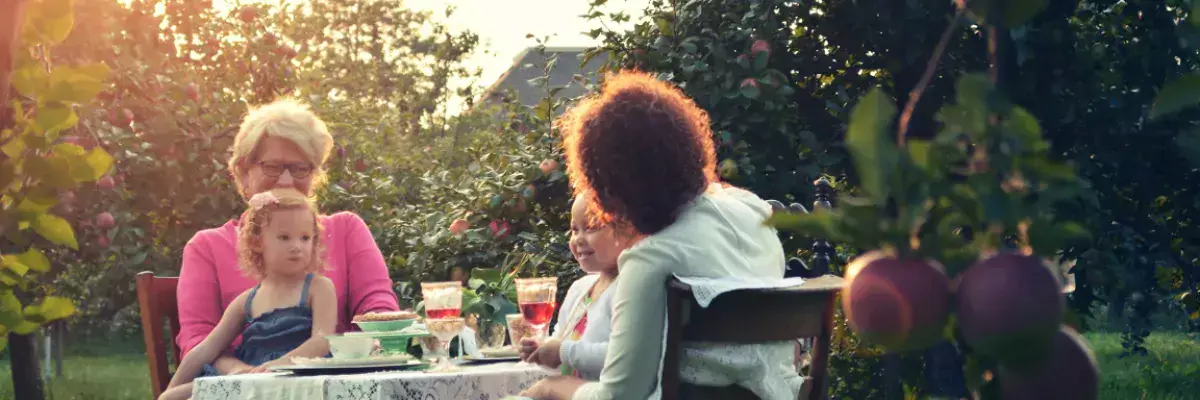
[459, 226]
[248, 14]
[749, 82]
[547, 166]
[499, 229]
[360, 165]
[270, 39]
[106, 183]
[192, 92]
[103, 241]
[760, 46]
[105, 221]
[67, 197]
[900, 304]
[341, 152]
[743, 57]
[128, 116]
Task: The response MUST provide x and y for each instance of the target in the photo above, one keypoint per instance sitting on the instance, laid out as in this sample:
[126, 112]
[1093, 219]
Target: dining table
[481, 382]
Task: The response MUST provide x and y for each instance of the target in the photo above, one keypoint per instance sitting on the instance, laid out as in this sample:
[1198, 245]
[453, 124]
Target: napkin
[707, 289]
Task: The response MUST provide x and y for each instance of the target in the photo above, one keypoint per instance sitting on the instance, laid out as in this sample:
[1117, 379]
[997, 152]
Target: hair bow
[262, 200]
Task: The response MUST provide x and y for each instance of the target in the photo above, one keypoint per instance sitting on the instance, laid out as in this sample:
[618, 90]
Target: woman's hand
[526, 348]
[545, 353]
[554, 388]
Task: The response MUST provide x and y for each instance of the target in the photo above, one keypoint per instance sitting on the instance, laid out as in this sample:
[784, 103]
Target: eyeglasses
[298, 170]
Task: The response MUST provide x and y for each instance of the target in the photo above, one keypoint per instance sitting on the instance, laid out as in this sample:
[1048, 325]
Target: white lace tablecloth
[481, 382]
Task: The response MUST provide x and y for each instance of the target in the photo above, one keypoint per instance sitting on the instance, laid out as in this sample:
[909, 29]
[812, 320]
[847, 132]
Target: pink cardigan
[210, 278]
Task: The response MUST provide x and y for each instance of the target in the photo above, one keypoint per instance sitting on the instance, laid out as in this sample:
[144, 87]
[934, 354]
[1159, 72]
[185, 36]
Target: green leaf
[750, 90]
[77, 84]
[1047, 238]
[13, 263]
[918, 152]
[1175, 96]
[55, 117]
[25, 327]
[55, 170]
[10, 310]
[872, 148]
[1189, 146]
[100, 161]
[55, 229]
[35, 260]
[53, 308]
[1016, 12]
[1025, 127]
[819, 223]
[30, 80]
[487, 274]
[760, 60]
[7, 173]
[49, 21]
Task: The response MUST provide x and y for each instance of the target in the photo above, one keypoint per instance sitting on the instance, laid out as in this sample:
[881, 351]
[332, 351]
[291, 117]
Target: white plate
[385, 359]
[502, 352]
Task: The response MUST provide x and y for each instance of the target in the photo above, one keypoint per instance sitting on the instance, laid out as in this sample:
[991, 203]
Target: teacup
[351, 346]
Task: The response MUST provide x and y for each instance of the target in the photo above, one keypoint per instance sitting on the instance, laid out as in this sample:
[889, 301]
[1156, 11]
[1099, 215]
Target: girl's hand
[266, 367]
[526, 348]
[547, 353]
[244, 369]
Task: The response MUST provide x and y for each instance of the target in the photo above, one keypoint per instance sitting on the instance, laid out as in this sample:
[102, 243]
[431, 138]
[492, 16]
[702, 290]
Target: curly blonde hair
[256, 219]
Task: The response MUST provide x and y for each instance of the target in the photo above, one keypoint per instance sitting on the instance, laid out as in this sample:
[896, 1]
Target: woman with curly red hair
[644, 153]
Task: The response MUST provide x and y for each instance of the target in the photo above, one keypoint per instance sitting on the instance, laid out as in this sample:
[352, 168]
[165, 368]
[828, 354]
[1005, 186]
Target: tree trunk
[26, 371]
[11, 15]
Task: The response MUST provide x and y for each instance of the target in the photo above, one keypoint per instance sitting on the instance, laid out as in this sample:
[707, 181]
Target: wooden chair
[156, 300]
[754, 316]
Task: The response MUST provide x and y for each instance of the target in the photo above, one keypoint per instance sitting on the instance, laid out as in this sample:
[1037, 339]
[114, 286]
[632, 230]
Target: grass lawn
[1171, 372]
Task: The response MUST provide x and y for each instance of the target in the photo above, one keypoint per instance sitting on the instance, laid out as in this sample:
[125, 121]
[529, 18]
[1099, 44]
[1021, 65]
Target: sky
[502, 25]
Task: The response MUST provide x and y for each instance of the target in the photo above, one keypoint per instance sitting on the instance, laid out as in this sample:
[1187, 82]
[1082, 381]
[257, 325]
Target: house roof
[529, 64]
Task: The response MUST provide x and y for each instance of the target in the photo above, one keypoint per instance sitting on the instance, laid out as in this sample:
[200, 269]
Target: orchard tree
[41, 165]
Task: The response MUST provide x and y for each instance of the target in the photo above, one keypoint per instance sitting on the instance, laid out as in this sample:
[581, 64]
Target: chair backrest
[156, 300]
[754, 316]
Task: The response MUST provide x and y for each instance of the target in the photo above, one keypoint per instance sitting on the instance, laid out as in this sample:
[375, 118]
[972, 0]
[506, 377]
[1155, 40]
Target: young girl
[291, 309]
[580, 336]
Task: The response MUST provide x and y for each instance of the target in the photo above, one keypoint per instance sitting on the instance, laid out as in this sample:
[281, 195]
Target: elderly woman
[279, 145]
[645, 153]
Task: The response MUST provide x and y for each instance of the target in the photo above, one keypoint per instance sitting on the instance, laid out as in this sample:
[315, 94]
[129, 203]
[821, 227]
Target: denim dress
[273, 334]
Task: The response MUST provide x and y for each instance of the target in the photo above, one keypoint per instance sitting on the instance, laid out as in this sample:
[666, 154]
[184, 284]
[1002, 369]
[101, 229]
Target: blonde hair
[287, 119]
[256, 219]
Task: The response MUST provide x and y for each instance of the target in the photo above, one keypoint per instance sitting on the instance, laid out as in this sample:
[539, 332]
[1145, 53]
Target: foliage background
[183, 75]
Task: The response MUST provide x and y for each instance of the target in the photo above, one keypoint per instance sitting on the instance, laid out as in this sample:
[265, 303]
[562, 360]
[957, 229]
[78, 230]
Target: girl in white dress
[580, 336]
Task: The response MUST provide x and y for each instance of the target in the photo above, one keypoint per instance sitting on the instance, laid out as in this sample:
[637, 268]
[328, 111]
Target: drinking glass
[444, 329]
[442, 299]
[536, 298]
[517, 328]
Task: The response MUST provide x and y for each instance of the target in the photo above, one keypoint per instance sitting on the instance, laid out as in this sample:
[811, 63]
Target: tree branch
[915, 95]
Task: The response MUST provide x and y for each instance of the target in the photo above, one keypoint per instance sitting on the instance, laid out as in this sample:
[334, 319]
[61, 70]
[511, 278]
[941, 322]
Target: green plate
[394, 342]
[385, 326]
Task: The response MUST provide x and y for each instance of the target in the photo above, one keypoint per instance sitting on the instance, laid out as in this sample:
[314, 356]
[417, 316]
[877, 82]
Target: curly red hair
[640, 149]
